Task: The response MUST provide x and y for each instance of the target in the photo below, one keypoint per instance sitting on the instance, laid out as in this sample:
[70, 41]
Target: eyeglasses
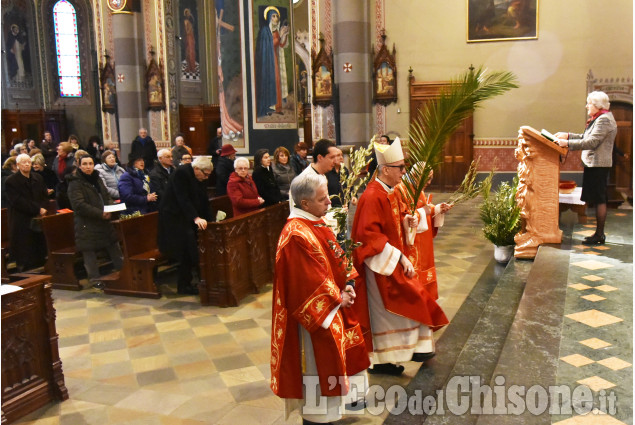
[401, 167]
[242, 168]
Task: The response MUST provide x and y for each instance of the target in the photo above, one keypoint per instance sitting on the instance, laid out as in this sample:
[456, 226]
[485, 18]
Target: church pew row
[141, 257]
[237, 255]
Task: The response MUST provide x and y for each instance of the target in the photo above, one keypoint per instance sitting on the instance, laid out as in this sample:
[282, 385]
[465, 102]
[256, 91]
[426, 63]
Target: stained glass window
[67, 49]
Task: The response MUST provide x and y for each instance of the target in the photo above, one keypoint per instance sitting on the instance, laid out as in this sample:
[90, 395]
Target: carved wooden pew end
[237, 255]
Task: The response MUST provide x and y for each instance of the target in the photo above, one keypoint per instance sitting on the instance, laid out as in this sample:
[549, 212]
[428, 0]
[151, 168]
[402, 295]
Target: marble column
[130, 61]
[352, 53]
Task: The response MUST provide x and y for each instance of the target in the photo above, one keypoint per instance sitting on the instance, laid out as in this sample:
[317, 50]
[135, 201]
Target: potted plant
[501, 218]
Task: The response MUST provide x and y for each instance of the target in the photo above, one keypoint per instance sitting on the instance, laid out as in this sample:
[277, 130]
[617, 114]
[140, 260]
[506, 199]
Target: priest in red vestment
[421, 252]
[396, 312]
[318, 355]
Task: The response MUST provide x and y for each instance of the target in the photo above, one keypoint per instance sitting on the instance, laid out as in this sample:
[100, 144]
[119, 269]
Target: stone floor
[172, 362]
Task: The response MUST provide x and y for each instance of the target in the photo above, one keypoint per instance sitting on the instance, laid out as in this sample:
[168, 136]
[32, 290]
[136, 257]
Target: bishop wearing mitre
[396, 312]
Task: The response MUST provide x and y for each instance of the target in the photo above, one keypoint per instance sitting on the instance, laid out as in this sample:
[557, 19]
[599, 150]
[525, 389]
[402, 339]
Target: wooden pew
[138, 236]
[237, 255]
[32, 373]
[222, 203]
[59, 232]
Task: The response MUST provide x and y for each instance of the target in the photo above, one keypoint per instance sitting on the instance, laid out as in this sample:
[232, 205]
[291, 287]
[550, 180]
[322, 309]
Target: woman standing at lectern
[596, 144]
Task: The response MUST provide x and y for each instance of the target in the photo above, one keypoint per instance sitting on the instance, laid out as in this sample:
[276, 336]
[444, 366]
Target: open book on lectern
[544, 133]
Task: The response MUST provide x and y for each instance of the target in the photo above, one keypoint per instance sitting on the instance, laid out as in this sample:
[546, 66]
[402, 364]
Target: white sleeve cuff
[327, 322]
[423, 221]
[439, 217]
[385, 262]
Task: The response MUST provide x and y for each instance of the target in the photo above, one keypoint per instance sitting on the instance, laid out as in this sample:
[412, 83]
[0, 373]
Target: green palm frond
[436, 122]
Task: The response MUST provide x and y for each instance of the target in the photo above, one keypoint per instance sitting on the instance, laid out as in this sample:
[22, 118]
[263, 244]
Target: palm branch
[436, 122]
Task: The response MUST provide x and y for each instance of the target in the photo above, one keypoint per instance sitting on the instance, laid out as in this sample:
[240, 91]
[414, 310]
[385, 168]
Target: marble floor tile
[595, 343]
[577, 360]
[594, 318]
[593, 298]
[596, 383]
[614, 363]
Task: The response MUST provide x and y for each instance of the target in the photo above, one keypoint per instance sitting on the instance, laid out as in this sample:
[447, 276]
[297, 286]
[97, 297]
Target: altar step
[510, 326]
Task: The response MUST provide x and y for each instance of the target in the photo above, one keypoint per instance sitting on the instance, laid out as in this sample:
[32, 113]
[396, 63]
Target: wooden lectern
[537, 195]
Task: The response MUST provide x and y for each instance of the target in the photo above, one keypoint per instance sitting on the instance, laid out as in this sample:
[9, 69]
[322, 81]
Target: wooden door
[622, 171]
[198, 125]
[457, 153]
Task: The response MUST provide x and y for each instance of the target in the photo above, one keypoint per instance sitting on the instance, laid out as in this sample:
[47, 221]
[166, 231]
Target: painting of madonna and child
[272, 76]
[496, 20]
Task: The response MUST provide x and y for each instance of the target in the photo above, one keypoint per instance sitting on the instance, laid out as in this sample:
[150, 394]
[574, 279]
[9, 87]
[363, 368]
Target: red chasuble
[309, 278]
[421, 254]
[377, 222]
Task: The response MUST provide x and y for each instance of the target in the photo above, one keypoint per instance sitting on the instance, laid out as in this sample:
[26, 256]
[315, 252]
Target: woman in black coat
[93, 230]
[27, 198]
[265, 180]
[183, 211]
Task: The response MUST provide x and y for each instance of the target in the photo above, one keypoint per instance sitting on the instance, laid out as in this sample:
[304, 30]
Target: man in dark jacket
[144, 146]
[93, 230]
[215, 146]
[27, 197]
[224, 168]
[184, 210]
[160, 173]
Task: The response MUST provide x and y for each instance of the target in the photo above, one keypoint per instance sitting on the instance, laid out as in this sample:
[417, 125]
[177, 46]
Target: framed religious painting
[501, 20]
[108, 87]
[155, 86]
[322, 76]
[272, 58]
[384, 74]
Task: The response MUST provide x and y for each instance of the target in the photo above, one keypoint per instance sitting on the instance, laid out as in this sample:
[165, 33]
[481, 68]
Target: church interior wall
[431, 38]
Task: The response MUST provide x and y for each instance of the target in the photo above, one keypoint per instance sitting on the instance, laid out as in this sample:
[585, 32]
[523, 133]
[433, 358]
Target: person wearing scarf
[264, 178]
[134, 187]
[93, 230]
[596, 144]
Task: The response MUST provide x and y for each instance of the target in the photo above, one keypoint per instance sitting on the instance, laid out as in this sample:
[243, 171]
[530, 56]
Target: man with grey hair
[161, 172]
[183, 211]
[318, 353]
[179, 149]
[27, 198]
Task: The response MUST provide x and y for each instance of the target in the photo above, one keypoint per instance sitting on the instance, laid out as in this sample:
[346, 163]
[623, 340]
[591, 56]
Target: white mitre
[387, 154]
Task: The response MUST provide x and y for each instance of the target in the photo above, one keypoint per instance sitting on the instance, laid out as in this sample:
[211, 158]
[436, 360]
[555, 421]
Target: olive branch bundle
[351, 184]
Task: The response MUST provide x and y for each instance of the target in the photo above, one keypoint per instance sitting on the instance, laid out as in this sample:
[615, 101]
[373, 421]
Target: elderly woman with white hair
[596, 144]
[242, 190]
[183, 211]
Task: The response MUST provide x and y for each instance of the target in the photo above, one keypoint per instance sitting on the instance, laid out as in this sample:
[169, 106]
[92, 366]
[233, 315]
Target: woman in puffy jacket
[242, 190]
[110, 173]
